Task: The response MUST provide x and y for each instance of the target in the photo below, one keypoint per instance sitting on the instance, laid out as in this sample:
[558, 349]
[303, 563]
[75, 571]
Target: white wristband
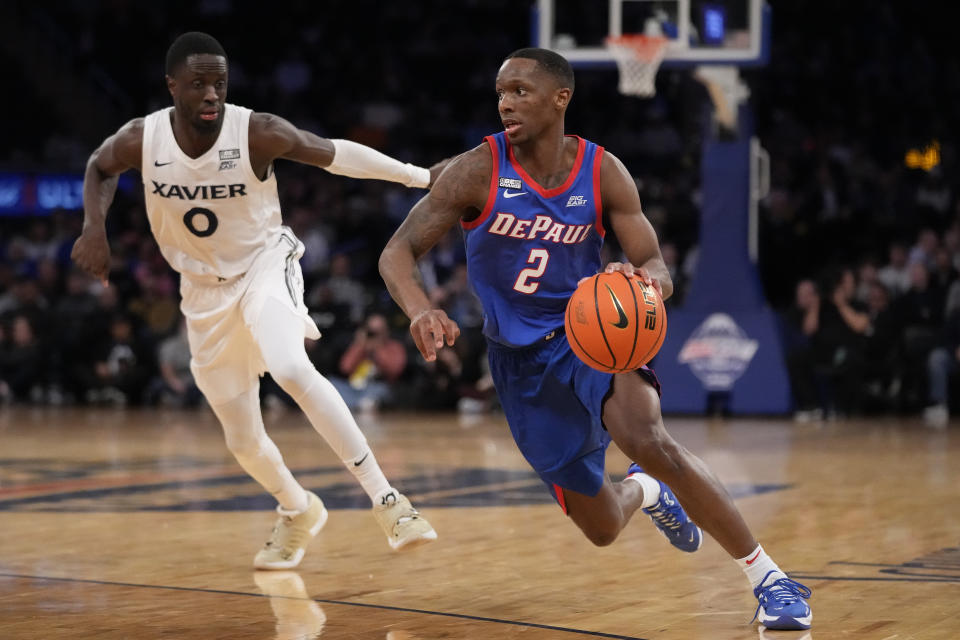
[360, 161]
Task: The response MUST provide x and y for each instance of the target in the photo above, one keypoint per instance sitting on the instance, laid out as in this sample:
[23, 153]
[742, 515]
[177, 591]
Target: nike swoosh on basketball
[157, 163]
[751, 560]
[507, 194]
[622, 322]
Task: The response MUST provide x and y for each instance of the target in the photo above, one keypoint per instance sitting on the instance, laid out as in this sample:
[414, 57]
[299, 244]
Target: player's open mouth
[209, 115]
[510, 126]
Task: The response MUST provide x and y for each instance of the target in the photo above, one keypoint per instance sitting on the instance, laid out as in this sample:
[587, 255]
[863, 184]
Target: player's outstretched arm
[119, 152]
[273, 137]
[634, 232]
[460, 191]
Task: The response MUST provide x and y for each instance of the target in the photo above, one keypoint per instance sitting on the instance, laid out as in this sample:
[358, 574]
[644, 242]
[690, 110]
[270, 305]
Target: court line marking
[804, 576]
[462, 616]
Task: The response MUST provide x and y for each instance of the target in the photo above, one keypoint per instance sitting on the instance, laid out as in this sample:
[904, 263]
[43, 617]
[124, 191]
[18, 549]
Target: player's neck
[192, 142]
[545, 158]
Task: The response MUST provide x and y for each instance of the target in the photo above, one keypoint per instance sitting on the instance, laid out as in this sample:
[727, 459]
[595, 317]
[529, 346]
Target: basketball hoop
[638, 57]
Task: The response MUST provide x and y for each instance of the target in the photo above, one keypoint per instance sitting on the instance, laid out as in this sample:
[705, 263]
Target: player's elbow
[666, 287]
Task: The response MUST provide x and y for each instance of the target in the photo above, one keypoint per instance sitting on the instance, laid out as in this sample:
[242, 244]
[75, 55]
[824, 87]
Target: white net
[638, 59]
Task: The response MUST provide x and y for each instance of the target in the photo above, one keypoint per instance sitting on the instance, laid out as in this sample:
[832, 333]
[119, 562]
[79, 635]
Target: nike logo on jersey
[622, 322]
[508, 194]
[157, 163]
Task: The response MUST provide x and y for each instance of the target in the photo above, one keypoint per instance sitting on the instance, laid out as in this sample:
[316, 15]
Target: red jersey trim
[558, 492]
[550, 193]
[597, 162]
[494, 185]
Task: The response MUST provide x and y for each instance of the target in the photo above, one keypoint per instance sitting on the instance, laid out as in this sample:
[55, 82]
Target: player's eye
[197, 84]
[221, 84]
[521, 91]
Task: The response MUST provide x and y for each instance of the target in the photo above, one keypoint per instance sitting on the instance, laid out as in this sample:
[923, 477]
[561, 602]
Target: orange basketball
[615, 323]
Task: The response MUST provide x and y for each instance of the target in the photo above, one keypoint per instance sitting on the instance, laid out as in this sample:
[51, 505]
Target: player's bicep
[460, 191]
[274, 137]
[121, 151]
[428, 221]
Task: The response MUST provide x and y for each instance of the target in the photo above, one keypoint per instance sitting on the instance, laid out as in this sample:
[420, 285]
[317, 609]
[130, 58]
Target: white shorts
[222, 318]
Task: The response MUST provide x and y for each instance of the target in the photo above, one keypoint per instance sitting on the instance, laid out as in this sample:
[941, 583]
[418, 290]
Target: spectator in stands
[882, 366]
[22, 363]
[941, 363]
[370, 364]
[895, 275]
[122, 366]
[921, 319]
[175, 385]
[802, 323]
[840, 342]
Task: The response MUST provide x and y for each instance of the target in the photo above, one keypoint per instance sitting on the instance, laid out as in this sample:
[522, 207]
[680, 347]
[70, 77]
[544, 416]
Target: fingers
[429, 329]
[452, 331]
[627, 268]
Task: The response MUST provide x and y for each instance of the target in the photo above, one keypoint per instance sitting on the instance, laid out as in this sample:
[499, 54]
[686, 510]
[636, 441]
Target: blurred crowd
[858, 250]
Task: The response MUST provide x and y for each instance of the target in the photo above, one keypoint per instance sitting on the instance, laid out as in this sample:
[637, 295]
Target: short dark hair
[551, 61]
[188, 44]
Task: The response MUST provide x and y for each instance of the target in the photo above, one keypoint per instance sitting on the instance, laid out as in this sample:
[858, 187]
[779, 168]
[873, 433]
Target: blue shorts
[553, 403]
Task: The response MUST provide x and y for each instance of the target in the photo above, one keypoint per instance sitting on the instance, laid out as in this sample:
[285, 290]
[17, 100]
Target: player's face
[199, 90]
[529, 99]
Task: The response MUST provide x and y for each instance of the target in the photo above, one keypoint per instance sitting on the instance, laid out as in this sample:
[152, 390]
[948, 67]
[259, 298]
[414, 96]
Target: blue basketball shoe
[782, 604]
[671, 519]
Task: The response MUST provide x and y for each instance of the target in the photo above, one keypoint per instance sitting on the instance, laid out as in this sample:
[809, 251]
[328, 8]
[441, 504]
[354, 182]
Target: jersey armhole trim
[597, 163]
[494, 185]
[246, 117]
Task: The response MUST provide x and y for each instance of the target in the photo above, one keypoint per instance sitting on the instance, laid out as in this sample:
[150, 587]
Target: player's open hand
[91, 252]
[429, 329]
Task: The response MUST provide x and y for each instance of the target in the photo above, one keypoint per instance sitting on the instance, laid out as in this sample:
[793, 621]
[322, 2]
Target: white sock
[757, 565]
[368, 473]
[650, 486]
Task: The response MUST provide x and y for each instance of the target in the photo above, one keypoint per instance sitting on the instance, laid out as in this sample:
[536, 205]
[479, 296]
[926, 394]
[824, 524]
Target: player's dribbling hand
[91, 252]
[429, 328]
[629, 270]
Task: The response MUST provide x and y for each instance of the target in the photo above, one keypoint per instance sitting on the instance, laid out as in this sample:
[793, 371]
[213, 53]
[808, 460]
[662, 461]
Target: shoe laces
[662, 516]
[783, 592]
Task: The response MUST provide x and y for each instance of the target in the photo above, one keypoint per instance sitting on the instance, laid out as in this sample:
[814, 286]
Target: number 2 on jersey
[525, 281]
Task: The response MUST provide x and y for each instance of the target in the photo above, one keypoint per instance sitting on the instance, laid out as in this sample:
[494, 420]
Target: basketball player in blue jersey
[534, 205]
[211, 199]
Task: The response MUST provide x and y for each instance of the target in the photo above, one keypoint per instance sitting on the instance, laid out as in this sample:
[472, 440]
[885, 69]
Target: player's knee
[601, 536]
[294, 375]
[659, 454]
[244, 443]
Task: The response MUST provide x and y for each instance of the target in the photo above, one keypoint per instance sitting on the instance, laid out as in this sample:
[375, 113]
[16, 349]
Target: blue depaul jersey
[530, 246]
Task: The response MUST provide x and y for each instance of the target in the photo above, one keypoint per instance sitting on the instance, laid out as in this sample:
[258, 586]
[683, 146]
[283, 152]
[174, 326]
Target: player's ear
[171, 84]
[562, 97]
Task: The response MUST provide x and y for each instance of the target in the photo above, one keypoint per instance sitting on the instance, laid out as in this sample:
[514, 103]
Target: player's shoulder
[127, 142]
[465, 180]
[268, 123]
[477, 162]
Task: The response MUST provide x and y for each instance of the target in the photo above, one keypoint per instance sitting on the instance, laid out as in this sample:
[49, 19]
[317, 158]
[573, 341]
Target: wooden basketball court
[139, 524]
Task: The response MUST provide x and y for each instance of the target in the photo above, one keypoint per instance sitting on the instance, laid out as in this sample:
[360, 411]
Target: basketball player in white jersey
[211, 199]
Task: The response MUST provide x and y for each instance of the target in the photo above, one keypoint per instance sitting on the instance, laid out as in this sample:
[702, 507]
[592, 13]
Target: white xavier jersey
[210, 215]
